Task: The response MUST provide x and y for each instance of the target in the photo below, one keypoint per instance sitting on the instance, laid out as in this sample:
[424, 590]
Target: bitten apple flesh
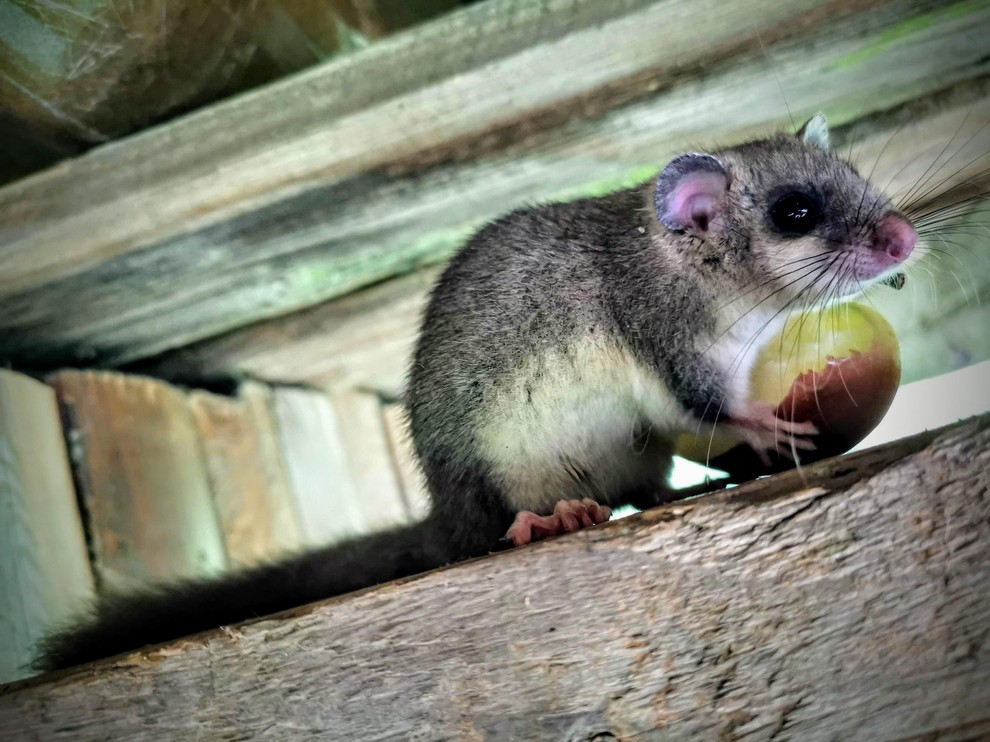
[838, 368]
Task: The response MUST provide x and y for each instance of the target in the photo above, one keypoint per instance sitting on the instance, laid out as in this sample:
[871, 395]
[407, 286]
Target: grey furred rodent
[562, 351]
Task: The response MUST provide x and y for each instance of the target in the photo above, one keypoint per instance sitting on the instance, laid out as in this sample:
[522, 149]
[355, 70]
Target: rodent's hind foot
[568, 516]
[760, 427]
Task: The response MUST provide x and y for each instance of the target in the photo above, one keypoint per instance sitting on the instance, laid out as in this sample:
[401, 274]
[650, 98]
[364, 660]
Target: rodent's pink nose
[896, 237]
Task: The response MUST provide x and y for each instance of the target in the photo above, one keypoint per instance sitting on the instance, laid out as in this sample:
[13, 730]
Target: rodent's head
[784, 212]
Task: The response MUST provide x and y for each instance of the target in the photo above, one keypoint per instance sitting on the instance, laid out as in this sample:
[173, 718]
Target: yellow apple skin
[838, 368]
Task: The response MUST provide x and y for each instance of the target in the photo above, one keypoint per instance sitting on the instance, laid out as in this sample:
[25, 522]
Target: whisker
[815, 258]
[736, 362]
[925, 176]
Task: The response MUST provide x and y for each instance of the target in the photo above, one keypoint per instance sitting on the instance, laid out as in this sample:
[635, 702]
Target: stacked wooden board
[171, 483]
[44, 570]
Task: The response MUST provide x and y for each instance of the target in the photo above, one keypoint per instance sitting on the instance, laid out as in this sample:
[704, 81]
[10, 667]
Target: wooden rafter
[374, 164]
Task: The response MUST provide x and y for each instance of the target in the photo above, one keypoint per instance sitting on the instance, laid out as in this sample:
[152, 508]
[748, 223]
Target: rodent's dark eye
[796, 213]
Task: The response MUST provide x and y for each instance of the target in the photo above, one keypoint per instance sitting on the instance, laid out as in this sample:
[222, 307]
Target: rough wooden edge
[45, 577]
[736, 614]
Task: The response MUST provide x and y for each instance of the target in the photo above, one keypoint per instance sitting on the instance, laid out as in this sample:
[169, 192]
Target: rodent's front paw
[760, 427]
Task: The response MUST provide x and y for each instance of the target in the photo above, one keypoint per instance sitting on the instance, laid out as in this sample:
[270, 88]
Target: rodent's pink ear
[690, 191]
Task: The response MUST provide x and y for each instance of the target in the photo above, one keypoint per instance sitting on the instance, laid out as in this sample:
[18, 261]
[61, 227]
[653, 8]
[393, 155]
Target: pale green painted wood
[317, 186]
[44, 567]
[365, 340]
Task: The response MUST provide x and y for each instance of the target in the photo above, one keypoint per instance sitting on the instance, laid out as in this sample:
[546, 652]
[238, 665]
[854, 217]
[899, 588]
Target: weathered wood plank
[369, 460]
[350, 190]
[360, 341]
[847, 601]
[255, 507]
[44, 566]
[316, 462]
[411, 476]
[365, 340]
[331, 101]
[141, 478]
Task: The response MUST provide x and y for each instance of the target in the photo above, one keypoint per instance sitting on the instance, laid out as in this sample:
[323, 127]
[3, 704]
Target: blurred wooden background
[76, 73]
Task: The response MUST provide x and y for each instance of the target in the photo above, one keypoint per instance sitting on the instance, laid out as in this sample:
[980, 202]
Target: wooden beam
[846, 601]
[255, 508]
[316, 186]
[922, 150]
[142, 479]
[316, 462]
[44, 566]
[374, 472]
[362, 341]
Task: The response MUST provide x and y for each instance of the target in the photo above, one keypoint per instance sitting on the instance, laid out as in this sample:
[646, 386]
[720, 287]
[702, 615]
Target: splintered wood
[850, 600]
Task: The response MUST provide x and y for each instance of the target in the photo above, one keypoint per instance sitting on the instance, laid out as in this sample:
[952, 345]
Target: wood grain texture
[303, 192]
[847, 601]
[411, 475]
[315, 459]
[142, 479]
[44, 566]
[363, 340]
[254, 504]
[928, 147]
[369, 460]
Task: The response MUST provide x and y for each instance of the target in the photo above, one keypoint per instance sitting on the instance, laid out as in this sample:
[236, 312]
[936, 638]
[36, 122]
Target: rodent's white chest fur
[579, 412]
[569, 424]
[739, 337]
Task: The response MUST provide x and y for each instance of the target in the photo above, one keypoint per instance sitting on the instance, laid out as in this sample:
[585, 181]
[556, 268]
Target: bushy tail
[118, 623]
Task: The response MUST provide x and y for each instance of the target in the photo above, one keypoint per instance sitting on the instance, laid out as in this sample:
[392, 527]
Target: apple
[838, 368]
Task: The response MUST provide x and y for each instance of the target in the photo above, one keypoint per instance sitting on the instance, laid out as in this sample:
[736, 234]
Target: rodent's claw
[760, 427]
[568, 516]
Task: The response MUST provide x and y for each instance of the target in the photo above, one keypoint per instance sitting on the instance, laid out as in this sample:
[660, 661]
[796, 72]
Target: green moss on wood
[907, 29]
